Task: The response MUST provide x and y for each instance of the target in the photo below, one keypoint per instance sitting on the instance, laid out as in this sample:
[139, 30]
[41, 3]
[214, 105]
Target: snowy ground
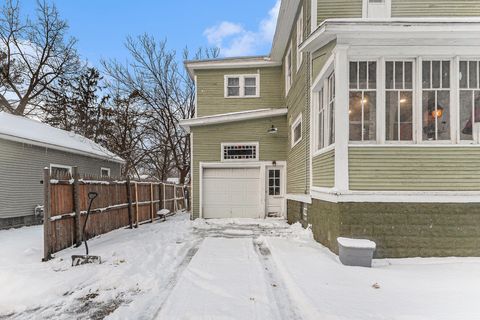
[226, 269]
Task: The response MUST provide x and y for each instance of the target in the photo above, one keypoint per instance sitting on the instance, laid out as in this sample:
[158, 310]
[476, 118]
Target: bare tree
[33, 55]
[154, 77]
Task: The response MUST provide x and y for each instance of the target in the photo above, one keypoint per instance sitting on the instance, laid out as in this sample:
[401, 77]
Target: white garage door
[231, 193]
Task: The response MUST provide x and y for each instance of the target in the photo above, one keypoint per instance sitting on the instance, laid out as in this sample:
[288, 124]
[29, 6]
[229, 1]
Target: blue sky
[101, 26]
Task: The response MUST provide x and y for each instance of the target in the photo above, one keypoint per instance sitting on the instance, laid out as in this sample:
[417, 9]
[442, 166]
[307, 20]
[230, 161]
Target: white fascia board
[233, 117]
[238, 63]
[286, 19]
[408, 28]
[115, 159]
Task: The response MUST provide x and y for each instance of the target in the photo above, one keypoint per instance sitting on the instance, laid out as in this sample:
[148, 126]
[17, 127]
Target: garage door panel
[231, 193]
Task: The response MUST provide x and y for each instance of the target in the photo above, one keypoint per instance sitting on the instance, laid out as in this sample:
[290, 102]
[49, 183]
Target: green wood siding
[211, 91]
[320, 57]
[207, 142]
[323, 167]
[414, 168]
[433, 8]
[329, 9]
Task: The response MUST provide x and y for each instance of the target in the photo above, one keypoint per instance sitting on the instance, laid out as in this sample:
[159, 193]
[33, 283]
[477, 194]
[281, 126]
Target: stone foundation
[399, 229]
[18, 222]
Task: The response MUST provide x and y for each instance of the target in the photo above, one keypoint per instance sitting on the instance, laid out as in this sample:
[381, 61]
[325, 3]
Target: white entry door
[231, 193]
[275, 193]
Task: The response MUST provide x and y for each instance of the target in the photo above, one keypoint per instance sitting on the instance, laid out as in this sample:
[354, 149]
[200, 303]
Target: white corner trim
[314, 15]
[305, 198]
[233, 117]
[298, 120]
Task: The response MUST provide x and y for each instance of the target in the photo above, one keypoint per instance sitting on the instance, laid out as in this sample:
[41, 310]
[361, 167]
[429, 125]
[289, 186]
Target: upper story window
[288, 70]
[300, 27]
[379, 9]
[363, 100]
[239, 151]
[399, 100]
[296, 130]
[469, 112]
[436, 100]
[242, 86]
[105, 172]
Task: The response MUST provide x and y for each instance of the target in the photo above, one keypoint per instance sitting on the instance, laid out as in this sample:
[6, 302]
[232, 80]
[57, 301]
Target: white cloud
[234, 40]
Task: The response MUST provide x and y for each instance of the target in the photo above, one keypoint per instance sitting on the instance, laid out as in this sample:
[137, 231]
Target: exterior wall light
[272, 130]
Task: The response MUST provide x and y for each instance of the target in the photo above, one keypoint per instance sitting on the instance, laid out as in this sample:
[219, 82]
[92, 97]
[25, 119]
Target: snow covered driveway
[226, 269]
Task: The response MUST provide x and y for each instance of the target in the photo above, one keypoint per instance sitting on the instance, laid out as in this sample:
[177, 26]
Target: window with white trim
[363, 100]
[274, 185]
[105, 172]
[326, 114]
[242, 86]
[299, 39]
[399, 101]
[239, 151]
[469, 113]
[296, 130]
[288, 70]
[60, 171]
[436, 100]
[377, 9]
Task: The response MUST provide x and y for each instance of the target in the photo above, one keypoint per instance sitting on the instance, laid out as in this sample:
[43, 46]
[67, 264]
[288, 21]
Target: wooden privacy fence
[120, 203]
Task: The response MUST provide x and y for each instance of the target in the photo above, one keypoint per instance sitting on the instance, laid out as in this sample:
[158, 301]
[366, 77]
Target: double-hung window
[288, 70]
[436, 100]
[363, 100]
[242, 86]
[326, 113]
[399, 100]
[469, 112]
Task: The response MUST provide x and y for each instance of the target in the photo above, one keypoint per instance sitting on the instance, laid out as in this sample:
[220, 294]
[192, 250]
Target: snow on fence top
[21, 129]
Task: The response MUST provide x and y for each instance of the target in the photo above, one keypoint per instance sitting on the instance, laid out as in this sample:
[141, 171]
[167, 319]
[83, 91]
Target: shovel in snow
[78, 260]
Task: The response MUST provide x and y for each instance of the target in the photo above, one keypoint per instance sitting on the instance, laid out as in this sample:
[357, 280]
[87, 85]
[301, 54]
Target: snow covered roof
[21, 129]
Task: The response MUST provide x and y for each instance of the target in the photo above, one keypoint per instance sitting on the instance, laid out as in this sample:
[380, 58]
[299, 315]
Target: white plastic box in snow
[356, 252]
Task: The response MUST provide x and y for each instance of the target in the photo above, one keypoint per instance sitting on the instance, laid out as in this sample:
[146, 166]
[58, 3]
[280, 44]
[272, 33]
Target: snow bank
[15, 127]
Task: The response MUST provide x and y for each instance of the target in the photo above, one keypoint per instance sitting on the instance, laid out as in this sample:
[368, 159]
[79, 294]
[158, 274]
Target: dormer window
[377, 9]
[242, 86]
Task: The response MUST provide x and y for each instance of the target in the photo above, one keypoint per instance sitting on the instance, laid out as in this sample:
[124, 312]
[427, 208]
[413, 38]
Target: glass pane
[443, 115]
[406, 116]
[277, 191]
[463, 74]
[369, 116]
[320, 130]
[466, 123]
[391, 115]
[445, 74]
[277, 182]
[363, 75]
[233, 91]
[355, 115]
[473, 74]
[233, 82]
[271, 191]
[435, 74]
[250, 82]
[428, 110]
[331, 136]
[250, 91]
[353, 75]
[271, 182]
[426, 82]
[372, 75]
[271, 174]
[398, 75]
[389, 75]
[408, 75]
[297, 132]
[476, 101]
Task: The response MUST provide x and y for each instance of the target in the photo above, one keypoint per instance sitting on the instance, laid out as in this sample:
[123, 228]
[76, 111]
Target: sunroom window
[363, 100]
[469, 98]
[436, 100]
[399, 100]
[326, 113]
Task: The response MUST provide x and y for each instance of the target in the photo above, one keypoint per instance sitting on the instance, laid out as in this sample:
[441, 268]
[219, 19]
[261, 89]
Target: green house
[362, 122]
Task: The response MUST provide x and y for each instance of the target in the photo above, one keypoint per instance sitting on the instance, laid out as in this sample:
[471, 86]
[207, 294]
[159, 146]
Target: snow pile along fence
[120, 203]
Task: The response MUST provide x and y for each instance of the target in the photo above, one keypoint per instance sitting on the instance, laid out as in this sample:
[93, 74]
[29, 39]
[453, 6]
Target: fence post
[151, 202]
[129, 200]
[136, 204]
[175, 204]
[76, 206]
[47, 248]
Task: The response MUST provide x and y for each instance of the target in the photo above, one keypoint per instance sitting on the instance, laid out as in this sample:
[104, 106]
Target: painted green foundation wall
[207, 142]
[414, 168]
[400, 230]
[323, 170]
[211, 91]
[435, 8]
